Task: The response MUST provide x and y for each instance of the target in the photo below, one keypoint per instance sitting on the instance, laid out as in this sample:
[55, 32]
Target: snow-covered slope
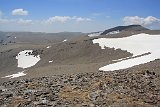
[137, 45]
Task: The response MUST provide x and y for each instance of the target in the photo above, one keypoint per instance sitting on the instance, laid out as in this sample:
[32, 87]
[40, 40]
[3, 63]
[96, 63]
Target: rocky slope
[67, 74]
[36, 37]
[80, 55]
[102, 89]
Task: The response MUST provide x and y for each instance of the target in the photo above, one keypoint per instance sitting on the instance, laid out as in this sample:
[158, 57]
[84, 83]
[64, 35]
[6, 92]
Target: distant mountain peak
[125, 28]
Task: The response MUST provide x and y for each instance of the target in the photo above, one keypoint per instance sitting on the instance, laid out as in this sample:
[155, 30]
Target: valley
[74, 63]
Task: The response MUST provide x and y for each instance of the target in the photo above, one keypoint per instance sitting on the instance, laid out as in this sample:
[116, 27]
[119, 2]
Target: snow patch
[26, 59]
[137, 45]
[64, 40]
[19, 74]
[15, 37]
[51, 61]
[48, 47]
[113, 32]
[94, 34]
[128, 63]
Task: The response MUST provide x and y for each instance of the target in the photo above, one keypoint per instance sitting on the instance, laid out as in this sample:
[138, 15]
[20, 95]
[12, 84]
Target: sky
[77, 15]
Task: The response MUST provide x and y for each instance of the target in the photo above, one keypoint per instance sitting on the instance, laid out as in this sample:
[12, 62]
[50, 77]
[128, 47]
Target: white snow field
[19, 74]
[26, 60]
[137, 45]
[94, 34]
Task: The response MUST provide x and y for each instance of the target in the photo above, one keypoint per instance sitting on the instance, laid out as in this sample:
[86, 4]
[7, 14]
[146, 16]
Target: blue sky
[76, 15]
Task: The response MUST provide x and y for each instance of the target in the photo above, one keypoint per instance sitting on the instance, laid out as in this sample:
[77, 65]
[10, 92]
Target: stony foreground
[102, 89]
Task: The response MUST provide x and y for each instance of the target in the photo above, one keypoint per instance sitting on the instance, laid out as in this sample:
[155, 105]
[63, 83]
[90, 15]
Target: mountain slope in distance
[125, 28]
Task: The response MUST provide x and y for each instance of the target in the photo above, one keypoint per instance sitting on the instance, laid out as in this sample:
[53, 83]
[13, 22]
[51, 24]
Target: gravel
[102, 89]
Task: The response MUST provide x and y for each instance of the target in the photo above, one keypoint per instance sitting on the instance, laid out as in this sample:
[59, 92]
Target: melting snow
[26, 60]
[113, 32]
[51, 61]
[122, 59]
[94, 34]
[48, 47]
[137, 44]
[64, 40]
[19, 74]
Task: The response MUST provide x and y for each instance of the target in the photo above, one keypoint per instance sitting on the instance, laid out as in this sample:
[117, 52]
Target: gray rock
[93, 96]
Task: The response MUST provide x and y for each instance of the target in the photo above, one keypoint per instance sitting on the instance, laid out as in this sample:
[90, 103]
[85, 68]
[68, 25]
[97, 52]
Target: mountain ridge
[125, 28]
